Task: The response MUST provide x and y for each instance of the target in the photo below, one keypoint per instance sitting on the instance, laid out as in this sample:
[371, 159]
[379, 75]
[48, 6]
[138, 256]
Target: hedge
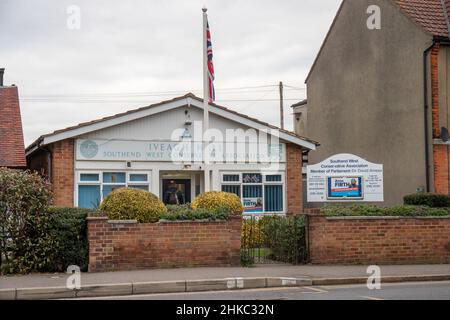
[433, 200]
[285, 237]
[68, 228]
[185, 212]
[371, 210]
[25, 244]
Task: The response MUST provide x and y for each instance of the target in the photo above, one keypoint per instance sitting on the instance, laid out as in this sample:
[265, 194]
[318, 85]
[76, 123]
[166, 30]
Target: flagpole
[205, 101]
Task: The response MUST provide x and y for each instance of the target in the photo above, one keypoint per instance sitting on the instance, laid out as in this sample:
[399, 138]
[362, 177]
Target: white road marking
[371, 298]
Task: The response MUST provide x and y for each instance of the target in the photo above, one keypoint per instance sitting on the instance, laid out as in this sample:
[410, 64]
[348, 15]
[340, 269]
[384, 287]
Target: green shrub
[68, 228]
[133, 204]
[428, 199]
[246, 259]
[285, 237]
[251, 233]
[352, 210]
[217, 199]
[25, 243]
[185, 212]
[396, 211]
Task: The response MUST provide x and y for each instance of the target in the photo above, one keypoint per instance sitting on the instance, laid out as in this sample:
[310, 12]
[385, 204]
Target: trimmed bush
[371, 210]
[68, 228]
[133, 204]
[25, 243]
[433, 200]
[185, 212]
[217, 199]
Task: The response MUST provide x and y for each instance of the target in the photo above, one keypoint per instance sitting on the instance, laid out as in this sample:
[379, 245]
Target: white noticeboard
[345, 177]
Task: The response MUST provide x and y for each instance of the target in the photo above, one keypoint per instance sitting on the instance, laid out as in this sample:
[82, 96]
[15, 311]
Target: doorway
[176, 191]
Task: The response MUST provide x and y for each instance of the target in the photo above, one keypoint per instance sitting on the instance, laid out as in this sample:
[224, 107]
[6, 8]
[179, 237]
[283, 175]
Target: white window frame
[101, 183]
[262, 183]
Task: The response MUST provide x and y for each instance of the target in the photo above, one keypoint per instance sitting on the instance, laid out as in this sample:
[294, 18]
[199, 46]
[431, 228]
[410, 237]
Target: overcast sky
[129, 54]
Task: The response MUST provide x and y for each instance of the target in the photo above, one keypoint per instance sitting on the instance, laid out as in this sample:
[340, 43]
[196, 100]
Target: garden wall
[125, 245]
[378, 240]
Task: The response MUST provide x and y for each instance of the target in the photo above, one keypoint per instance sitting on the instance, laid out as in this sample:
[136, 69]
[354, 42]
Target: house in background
[12, 149]
[383, 94]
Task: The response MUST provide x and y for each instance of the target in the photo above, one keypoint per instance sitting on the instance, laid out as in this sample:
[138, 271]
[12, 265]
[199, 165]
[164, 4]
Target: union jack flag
[211, 91]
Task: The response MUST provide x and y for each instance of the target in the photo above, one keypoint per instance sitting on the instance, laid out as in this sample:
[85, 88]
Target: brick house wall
[374, 240]
[122, 245]
[62, 175]
[294, 192]
[12, 150]
[441, 152]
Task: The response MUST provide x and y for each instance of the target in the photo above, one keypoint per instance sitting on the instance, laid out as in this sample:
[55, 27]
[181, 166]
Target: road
[391, 291]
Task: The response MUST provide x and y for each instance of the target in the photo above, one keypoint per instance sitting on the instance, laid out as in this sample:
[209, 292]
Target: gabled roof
[300, 103]
[189, 98]
[432, 16]
[12, 149]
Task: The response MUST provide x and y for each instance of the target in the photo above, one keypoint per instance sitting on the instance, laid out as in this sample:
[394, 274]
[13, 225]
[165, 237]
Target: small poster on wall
[345, 177]
[345, 187]
[253, 205]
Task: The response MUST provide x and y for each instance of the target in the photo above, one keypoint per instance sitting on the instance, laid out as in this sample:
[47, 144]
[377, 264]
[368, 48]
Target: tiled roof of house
[12, 150]
[431, 15]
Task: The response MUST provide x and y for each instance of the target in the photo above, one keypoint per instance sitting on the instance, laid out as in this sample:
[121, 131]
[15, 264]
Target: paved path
[317, 272]
[397, 291]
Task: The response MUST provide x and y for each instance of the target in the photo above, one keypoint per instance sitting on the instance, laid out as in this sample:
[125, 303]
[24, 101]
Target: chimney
[2, 71]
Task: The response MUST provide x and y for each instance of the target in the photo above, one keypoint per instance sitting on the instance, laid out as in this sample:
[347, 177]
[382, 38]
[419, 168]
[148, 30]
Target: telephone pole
[281, 106]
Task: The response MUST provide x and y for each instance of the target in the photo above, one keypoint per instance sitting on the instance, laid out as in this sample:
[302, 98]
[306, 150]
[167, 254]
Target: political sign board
[345, 177]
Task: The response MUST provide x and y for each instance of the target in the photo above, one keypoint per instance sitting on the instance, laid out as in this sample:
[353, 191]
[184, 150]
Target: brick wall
[12, 150]
[63, 172]
[373, 240]
[294, 178]
[124, 246]
[441, 168]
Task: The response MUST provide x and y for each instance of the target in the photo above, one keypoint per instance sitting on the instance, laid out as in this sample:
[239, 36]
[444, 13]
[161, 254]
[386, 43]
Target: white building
[141, 149]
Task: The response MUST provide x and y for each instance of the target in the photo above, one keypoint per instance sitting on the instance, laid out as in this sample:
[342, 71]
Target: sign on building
[345, 177]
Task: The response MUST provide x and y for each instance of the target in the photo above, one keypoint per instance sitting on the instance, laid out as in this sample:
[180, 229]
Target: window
[93, 187]
[258, 192]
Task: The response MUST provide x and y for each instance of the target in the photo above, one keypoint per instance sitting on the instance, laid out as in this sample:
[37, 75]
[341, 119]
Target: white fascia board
[114, 121]
[254, 124]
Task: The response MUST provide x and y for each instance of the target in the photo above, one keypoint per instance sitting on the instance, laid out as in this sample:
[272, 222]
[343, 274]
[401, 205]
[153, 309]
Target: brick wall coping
[122, 221]
[384, 217]
[102, 218]
[93, 218]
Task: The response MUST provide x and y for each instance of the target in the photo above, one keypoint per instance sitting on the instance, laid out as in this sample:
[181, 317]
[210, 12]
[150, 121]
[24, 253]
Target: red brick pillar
[294, 179]
[63, 173]
[441, 168]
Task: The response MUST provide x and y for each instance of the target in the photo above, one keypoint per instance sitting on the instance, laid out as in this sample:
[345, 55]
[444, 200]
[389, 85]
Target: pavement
[49, 286]
[390, 291]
